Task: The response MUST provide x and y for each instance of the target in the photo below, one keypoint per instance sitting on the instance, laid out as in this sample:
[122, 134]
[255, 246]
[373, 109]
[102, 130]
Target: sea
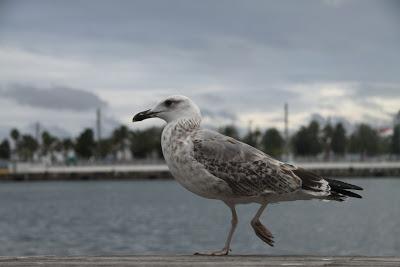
[161, 217]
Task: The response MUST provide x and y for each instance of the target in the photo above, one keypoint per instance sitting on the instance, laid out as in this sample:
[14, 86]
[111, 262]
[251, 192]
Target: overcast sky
[239, 60]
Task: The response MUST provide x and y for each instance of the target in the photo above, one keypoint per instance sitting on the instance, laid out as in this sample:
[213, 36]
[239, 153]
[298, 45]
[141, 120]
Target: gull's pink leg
[261, 231]
[226, 248]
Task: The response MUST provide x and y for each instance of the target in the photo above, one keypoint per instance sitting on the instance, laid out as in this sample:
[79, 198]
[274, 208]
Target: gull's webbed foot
[262, 232]
[223, 252]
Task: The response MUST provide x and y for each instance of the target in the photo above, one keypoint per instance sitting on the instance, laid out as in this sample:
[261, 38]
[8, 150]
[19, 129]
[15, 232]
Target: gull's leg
[226, 248]
[261, 231]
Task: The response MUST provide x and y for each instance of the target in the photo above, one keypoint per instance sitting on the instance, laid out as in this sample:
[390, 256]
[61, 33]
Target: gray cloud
[386, 90]
[53, 98]
[254, 99]
[249, 52]
[56, 130]
[219, 114]
[224, 40]
[333, 120]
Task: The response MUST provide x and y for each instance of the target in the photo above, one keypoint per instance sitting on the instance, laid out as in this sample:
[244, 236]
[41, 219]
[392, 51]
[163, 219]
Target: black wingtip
[343, 188]
[342, 185]
[347, 193]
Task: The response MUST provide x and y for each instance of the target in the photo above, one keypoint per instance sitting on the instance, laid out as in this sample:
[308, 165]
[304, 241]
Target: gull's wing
[248, 171]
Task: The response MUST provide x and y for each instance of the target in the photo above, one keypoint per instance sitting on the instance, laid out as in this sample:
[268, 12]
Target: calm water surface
[160, 217]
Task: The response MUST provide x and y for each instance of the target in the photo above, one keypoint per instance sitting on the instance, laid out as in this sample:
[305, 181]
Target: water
[160, 217]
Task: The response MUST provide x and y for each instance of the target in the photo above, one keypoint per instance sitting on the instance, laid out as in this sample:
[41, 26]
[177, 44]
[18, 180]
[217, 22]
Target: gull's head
[170, 109]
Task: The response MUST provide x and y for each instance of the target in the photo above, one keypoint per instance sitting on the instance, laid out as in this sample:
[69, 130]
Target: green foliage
[306, 141]
[67, 144]
[28, 146]
[230, 130]
[85, 144]
[273, 143]
[385, 145]
[327, 133]
[105, 147]
[120, 135]
[364, 141]
[396, 140]
[309, 140]
[300, 142]
[48, 141]
[146, 142]
[118, 140]
[5, 150]
[253, 138]
[339, 140]
[15, 134]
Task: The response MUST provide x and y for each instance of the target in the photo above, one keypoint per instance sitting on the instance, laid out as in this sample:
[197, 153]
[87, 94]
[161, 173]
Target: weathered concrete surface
[182, 260]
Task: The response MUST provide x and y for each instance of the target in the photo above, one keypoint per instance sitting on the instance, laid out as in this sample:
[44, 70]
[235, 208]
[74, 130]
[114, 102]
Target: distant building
[385, 131]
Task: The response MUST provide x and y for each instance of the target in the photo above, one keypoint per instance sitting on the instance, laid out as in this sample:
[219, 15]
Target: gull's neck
[186, 124]
[189, 124]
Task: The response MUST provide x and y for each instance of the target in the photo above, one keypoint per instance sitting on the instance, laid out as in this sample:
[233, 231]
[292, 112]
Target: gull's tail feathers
[325, 188]
[340, 190]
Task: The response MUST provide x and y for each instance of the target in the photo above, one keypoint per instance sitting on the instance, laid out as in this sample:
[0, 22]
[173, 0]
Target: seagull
[216, 166]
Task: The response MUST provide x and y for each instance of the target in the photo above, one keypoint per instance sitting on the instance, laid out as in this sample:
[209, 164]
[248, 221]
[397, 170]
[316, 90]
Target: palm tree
[29, 146]
[5, 150]
[85, 144]
[48, 143]
[273, 143]
[15, 136]
[120, 139]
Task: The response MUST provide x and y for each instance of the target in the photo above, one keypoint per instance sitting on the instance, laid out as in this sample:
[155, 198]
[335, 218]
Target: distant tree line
[312, 140]
[140, 143]
[331, 141]
[328, 141]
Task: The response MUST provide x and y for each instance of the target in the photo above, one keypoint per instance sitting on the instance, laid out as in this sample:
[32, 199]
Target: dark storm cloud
[53, 98]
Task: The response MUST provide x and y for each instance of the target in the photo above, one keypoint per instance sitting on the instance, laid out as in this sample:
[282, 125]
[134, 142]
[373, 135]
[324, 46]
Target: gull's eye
[168, 103]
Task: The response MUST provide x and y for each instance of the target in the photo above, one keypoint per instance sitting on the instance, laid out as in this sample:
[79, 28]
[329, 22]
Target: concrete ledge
[183, 260]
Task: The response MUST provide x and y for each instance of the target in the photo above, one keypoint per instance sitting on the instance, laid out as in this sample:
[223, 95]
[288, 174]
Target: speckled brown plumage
[248, 171]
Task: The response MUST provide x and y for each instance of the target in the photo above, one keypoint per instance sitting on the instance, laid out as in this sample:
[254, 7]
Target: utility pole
[286, 110]
[98, 131]
[98, 124]
[37, 132]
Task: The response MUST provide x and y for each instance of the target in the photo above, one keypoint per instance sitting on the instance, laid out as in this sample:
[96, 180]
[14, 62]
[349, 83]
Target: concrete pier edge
[190, 260]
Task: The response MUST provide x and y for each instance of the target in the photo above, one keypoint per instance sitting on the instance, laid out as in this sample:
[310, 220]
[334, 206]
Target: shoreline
[36, 172]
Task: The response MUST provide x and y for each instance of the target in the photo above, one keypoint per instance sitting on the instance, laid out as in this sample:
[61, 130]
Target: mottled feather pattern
[310, 181]
[178, 153]
[248, 171]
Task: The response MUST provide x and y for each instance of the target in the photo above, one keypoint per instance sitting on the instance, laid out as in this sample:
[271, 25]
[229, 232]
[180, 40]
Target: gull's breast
[177, 149]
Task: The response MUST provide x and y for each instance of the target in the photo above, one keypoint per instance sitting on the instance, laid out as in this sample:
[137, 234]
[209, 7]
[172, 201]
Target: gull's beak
[144, 115]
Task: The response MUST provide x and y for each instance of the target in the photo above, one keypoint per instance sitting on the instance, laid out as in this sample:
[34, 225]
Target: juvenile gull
[216, 166]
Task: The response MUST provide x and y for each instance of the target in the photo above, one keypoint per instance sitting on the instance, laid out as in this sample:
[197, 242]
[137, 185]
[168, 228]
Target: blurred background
[314, 83]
